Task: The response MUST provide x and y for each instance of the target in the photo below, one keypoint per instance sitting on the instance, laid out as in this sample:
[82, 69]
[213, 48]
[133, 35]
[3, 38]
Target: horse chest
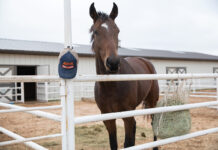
[117, 97]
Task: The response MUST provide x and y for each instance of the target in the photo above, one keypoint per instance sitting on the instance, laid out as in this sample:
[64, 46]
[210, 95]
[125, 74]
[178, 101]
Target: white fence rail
[173, 139]
[18, 137]
[48, 88]
[68, 120]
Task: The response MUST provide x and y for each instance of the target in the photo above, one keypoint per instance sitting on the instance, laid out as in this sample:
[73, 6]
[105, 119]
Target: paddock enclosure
[69, 125]
[68, 121]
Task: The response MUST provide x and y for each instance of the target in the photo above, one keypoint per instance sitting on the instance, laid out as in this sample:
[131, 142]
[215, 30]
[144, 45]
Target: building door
[30, 87]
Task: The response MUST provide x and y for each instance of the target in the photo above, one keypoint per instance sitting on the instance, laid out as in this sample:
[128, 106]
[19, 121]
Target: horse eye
[95, 32]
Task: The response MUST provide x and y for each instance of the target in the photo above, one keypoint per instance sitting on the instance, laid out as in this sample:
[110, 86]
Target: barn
[19, 57]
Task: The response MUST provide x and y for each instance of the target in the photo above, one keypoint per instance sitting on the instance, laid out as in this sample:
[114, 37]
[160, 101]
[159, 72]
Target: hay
[177, 123]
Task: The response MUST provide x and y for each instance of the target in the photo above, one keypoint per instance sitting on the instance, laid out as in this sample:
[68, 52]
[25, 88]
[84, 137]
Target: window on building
[215, 69]
[175, 70]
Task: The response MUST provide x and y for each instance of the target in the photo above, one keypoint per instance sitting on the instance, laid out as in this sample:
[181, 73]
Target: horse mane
[103, 16]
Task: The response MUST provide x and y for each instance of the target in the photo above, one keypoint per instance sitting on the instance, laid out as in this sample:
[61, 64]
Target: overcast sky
[181, 25]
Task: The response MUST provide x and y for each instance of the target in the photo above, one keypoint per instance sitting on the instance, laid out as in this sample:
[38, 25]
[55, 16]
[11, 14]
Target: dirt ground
[93, 136]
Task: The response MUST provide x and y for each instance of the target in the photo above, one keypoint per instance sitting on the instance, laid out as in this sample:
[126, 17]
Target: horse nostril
[108, 62]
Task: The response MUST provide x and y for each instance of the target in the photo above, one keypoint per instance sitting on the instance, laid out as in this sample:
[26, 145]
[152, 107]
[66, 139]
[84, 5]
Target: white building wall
[191, 66]
[49, 65]
[30, 60]
[87, 66]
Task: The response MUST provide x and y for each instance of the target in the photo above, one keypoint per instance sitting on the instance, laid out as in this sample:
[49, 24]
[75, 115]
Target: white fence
[68, 120]
[48, 91]
[85, 90]
[15, 92]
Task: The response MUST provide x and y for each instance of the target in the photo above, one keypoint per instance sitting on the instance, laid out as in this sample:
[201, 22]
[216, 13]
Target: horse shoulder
[143, 66]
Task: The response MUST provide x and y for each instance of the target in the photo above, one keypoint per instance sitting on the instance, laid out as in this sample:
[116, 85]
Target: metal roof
[50, 48]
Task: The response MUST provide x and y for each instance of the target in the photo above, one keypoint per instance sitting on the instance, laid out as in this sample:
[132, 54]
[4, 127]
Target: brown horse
[123, 95]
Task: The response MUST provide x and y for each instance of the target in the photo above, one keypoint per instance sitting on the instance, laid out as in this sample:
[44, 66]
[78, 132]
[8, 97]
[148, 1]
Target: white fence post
[70, 115]
[46, 91]
[22, 92]
[67, 124]
[194, 85]
[15, 91]
[67, 24]
[63, 118]
[217, 90]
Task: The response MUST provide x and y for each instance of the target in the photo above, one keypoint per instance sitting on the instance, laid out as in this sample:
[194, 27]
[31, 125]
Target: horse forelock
[102, 17]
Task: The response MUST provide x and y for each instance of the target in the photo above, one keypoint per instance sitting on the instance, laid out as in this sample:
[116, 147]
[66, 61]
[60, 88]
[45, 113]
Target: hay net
[176, 123]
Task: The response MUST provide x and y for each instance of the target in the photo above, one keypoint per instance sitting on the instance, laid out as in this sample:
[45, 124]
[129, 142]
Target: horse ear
[92, 12]
[114, 12]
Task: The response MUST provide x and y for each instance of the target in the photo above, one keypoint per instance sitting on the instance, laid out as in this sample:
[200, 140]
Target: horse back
[141, 65]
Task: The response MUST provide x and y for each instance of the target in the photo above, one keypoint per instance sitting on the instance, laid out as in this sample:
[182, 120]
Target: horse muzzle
[113, 64]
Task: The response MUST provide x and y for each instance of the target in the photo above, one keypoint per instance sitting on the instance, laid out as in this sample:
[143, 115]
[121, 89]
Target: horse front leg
[155, 137]
[112, 131]
[130, 130]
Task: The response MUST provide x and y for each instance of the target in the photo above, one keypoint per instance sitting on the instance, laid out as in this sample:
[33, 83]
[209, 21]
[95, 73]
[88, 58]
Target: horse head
[105, 38]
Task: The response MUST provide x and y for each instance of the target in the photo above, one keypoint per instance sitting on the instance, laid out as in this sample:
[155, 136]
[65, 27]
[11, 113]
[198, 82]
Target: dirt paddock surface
[93, 136]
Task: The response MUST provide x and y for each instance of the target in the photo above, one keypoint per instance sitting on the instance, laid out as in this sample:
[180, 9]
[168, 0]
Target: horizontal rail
[5, 95]
[6, 88]
[204, 96]
[210, 93]
[216, 107]
[53, 92]
[37, 78]
[48, 86]
[172, 139]
[134, 77]
[37, 113]
[91, 78]
[50, 99]
[29, 139]
[193, 86]
[18, 137]
[30, 109]
[125, 114]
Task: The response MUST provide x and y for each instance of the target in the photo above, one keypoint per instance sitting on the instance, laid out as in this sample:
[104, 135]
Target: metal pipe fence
[68, 120]
[18, 137]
